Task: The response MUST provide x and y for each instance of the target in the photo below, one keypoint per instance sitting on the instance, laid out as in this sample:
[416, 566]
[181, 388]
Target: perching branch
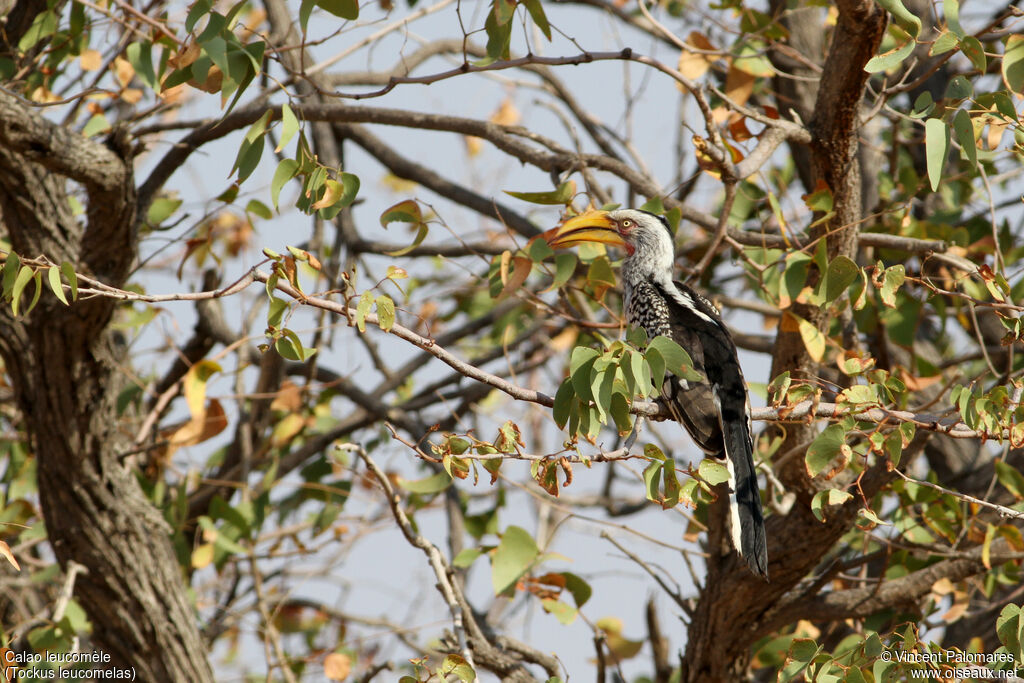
[802, 411]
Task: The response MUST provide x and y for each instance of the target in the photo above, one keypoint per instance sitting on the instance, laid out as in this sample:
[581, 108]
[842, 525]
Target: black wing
[715, 412]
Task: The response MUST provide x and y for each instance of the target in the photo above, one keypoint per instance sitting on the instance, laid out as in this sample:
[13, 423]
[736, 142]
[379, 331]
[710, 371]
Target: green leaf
[959, 88]
[290, 347]
[565, 266]
[37, 278]
[651, 479]
[199, 9]
[827, 498]
[385, 312]
[258, 208]
[677, 360]
[539, 250]
[289, 127]
[565, 400]
[671, 484]
[346, 9]
[161, 209]
[657, 365]
[842, 272]
[407, 211]
[1010, 477]
[97, 123]
[512, 558]
[68, 271]
[923, 105]
[285, 172]
[43, 26]
[140, 56]
[428, 485]
[936, 141]
[902, 16]
[713, 472]
[824, 449]
[580, 364]
[499, 36]
[951, 11]
[943, 44]
[972, 47]
[536, 11]
[893, 280]
[466, 557]
[1013, 63]
[1008, 627]
[580, 589]
[53, 276]
[12, 266]
[566, 614]
[503, 10]
[562, 195]
[22, 279]
[871, 516]
[794, 277]
[248, 158]
[456, 665]
[964, 130]
[894, 57]
[362, 308]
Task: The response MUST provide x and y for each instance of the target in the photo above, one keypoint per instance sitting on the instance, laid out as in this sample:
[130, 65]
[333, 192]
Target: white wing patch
[686, 301]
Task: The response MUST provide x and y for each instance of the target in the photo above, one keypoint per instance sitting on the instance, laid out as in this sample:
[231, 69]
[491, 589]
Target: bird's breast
[646, 308]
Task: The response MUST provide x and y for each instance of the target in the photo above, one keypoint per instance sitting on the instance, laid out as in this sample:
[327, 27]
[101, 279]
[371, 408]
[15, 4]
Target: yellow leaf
[90, 60]
[202, 556]
[123, 71]
[814, 340]
[398, 185]
[337, 666]
[131, 95]
[474, 145]
[331, 196]
[195, 385]
[287, 429]
[506, 114]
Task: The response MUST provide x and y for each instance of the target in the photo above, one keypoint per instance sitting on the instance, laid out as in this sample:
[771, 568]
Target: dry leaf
[739, 85]
[5, 551]
[693, 65]
[288, 397]
[209, 424]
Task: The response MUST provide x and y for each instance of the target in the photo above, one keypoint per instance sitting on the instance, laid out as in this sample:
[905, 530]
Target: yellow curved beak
[589, 226]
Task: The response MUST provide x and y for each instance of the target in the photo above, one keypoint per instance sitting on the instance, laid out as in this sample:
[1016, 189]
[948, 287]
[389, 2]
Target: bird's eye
[627, 223]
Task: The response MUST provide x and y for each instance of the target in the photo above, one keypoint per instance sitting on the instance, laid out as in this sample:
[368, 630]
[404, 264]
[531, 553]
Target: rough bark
[834, 129]
[734, 608]
[63, 364]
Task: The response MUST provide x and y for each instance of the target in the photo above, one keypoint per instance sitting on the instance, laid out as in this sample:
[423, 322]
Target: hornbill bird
[716, 411]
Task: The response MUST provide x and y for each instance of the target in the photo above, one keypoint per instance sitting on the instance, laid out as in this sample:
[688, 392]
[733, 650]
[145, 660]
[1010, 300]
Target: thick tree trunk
[734, 608]
[66, 380]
